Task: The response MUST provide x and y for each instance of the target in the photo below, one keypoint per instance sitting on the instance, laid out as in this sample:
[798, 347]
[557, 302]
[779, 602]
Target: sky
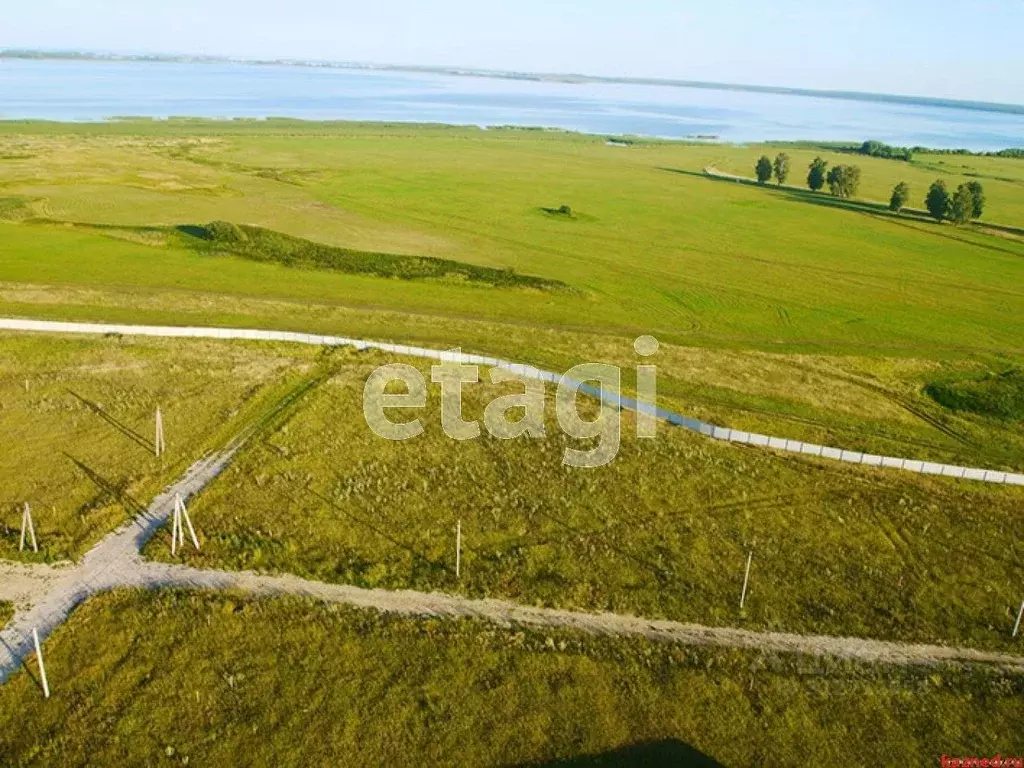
[968, 50]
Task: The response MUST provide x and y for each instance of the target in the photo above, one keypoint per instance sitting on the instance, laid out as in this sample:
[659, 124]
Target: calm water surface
[94, 90]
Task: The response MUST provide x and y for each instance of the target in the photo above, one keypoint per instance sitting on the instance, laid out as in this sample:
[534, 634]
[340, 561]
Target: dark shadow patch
[667, 752]
[997, 395]
[192, 230]
[120, 426]
[21, 657]
[113, 490]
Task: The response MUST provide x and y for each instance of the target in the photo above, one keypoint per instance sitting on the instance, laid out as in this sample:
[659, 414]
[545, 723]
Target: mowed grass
[190, 678]
[687, 258]
[663, 531]
[78, 423]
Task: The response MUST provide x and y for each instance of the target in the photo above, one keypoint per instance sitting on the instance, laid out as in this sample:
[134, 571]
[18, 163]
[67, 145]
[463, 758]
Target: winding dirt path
[44, 597]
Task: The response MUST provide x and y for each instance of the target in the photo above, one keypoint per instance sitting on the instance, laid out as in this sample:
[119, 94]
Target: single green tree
[977, 197]
[816, 175]
[851, 180]
[961, 207]
[937, 200]
[781, 167]
[844, 180]
[763, 169]
[900, 195]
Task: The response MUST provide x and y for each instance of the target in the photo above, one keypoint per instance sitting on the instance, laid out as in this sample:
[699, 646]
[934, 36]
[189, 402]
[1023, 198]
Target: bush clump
[267, 245]
[14, 208]
[225, 232]
[1000, 395]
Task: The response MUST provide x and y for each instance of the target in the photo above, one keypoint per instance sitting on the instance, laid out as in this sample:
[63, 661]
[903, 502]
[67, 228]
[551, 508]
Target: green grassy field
[779, 312]
[78, 422]
[664, 530]
[689, 259]
[226, 676]
[864, 310]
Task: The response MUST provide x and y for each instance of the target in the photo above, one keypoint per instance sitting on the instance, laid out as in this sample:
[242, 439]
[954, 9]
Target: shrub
[1000, 395]
[267, 245]
[879, 149]
[225, 232]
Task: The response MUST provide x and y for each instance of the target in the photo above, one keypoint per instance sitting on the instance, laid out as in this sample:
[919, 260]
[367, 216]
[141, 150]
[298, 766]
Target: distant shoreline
[619, 140]
[571, 79]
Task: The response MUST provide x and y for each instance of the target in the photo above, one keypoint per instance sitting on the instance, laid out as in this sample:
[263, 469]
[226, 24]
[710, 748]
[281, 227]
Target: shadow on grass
[22, 661]
[117, 492]
[121, 427]
[193, 230]
[668, 752]
[418, 558]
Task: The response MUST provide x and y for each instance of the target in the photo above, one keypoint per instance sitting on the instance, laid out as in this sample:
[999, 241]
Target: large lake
[96, 90]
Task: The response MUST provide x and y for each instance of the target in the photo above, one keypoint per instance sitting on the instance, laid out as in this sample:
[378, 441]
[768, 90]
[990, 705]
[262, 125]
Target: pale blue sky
[972, 50]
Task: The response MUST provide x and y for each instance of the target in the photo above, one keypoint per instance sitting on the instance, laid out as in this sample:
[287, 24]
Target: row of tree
[968, 202]
[842, 180]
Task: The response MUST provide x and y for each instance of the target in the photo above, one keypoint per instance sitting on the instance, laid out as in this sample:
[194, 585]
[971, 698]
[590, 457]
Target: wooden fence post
[42, 667]
[183, 512]
[27, 526]
[746, 580]
[158, 443]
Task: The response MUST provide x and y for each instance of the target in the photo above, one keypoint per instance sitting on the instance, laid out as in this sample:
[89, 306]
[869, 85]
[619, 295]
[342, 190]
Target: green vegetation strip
[1000, 395]
[6, 612]
[261, 244]
[180, 677]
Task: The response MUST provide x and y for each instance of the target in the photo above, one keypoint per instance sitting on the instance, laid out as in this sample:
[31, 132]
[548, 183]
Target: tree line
[842, 180]
[968, 202]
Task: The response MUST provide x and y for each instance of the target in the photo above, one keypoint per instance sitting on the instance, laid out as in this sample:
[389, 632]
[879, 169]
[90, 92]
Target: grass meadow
[689, 259]
[778, 311]
[184, 678]
[78, 421]
[811, 321]
[664, 530]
